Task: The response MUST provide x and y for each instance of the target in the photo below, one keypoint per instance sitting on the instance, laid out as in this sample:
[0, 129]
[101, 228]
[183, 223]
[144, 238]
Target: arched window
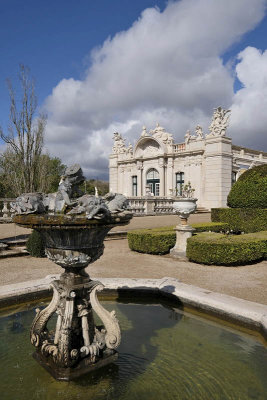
[152, 180]
[179, 183]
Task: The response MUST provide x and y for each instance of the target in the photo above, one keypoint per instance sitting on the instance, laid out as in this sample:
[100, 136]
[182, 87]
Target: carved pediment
[148, 148]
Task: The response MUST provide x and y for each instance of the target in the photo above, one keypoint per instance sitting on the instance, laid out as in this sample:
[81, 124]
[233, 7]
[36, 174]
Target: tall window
[134, 185]
[179, 183]
[152, 180]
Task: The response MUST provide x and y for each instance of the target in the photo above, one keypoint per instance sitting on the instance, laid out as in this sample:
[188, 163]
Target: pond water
[165, 354]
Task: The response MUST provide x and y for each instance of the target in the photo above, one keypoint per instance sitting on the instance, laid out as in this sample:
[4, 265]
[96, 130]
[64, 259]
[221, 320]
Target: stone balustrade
[151, 205]
[177, 148]
[5, 210]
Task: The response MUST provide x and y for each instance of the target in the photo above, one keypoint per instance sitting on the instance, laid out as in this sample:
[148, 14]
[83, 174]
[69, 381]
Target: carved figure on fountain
[116, 202]
[91, 206]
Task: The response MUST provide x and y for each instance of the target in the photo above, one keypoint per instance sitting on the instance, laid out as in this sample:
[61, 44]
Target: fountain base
[82, 368]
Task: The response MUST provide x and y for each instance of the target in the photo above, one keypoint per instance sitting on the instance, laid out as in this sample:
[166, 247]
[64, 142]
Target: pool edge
[224, 307]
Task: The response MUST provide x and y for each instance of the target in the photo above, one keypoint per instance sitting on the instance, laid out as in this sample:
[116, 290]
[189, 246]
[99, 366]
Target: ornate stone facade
[209, 161]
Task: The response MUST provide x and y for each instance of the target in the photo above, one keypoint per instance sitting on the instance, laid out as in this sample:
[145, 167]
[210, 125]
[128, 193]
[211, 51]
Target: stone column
[113, 173]
[140, 178]
[161, 177]
[169, 177]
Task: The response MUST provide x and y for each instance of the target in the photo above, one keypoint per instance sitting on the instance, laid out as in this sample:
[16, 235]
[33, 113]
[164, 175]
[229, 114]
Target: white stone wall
[206, 162]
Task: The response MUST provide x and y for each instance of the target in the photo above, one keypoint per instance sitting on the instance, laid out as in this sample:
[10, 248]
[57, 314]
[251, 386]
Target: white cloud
[167, 67]
[249, 116]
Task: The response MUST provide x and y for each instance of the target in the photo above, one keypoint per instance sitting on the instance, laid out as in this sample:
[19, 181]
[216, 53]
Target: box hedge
[241, 219]
[161, 240]
[220, 249]
[250, 190]
[151, 241]
[35, 245]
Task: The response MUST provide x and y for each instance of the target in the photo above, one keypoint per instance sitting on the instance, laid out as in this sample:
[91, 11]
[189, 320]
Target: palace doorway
[152, 180]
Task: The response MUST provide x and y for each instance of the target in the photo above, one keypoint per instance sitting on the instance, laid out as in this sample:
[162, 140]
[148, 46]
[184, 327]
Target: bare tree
[25, 136]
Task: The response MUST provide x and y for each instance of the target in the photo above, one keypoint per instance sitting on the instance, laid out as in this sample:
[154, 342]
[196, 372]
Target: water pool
[165, 354]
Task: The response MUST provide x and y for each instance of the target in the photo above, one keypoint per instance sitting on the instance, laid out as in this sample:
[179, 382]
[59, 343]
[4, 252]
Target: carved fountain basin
[72, 242]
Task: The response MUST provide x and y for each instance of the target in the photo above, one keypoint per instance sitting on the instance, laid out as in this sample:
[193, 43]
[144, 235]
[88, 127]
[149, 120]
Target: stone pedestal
[76, 345]
[183, 232]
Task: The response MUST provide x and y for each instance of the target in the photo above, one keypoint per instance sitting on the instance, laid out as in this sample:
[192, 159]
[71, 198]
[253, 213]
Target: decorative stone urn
[183, 206]
[73, 230]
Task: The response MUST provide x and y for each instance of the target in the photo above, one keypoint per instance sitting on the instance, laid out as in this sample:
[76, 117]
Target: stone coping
[227, 308]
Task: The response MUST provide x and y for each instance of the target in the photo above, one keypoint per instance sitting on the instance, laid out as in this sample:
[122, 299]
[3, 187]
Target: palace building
[158, 167]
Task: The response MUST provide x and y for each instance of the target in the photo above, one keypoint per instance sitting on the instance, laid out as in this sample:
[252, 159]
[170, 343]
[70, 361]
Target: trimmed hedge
[220, 249]
[241, 219]
[250, 190]
[35, 245]
[211, 226]
[150, 241]
[161, 240]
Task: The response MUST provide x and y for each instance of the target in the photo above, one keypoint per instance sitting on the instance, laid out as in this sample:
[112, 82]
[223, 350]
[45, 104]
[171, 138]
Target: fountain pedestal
[76, 345]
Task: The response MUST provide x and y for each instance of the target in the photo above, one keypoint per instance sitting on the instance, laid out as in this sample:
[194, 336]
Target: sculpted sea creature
[116, 202]
[28, 203]
[91, 206]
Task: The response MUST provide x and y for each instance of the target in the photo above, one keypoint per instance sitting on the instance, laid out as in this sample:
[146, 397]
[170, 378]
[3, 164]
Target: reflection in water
[165, 354]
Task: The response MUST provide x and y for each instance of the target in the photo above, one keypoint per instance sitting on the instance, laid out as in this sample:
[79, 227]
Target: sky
[103, 66]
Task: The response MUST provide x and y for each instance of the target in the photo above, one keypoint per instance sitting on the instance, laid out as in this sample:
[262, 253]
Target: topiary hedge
[35, 245]
[211, 227]
[241, 219]
[161, 240]
[250, 190]
[151, 241]
[220, 249]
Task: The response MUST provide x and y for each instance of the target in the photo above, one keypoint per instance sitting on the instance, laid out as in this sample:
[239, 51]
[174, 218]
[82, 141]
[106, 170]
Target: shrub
[220, 249]
[151, 241]
[161, 240]
[35, 245]
[241, 219]
[250, 190]
[211, 226]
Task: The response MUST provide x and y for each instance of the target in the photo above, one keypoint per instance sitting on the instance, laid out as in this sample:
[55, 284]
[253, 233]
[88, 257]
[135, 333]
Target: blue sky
[54, 38]
[128, 81]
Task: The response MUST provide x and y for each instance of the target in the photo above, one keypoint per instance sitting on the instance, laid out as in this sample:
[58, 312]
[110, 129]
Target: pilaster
[218, 170]
[113, 173]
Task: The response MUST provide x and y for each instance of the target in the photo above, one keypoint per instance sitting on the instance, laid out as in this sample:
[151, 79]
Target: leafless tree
[25, 137]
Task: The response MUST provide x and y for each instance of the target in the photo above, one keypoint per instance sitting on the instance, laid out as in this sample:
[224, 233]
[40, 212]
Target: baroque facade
[159, 167]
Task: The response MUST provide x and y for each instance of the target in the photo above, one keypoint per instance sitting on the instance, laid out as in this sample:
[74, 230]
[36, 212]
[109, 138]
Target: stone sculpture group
[70, 200]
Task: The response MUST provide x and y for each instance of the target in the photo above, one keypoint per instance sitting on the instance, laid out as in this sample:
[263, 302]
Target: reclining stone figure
[28, 203]
[91, 206]
[116, 202]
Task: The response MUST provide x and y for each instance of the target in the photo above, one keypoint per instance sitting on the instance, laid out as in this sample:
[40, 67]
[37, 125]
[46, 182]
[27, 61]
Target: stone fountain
[73, 227]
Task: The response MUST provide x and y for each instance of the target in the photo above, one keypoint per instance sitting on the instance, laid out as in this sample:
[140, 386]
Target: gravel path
[247, 282]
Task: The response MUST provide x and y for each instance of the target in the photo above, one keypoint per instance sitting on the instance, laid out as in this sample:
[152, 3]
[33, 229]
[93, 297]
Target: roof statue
[220, 122]
[160, 133]
[187, 136]
[119, 144]
[199, 132]
[144, 132]
[129, 149]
